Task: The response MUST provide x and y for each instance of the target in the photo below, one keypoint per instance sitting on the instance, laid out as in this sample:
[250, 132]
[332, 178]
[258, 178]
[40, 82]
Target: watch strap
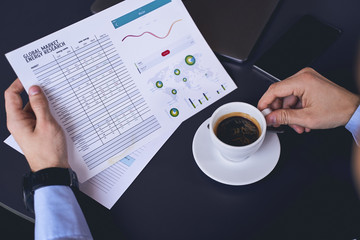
[53, 176]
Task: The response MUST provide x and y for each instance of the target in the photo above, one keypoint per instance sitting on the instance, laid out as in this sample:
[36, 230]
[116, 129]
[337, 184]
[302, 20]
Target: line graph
[152, 34]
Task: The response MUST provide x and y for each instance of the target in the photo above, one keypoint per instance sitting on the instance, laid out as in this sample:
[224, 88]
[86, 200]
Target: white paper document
[120, 79]
[107, 186]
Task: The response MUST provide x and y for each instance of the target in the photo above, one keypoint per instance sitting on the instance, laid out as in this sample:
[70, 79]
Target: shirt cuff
[354, 125]
[58, 214]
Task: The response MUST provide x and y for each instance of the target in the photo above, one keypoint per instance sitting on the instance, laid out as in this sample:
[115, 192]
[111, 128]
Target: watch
[46, 177]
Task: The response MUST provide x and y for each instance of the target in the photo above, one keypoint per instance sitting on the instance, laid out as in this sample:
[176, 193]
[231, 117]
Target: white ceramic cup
[237, 153]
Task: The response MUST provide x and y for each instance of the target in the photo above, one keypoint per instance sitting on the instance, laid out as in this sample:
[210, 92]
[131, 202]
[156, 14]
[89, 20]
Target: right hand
[306, 101]
[33, 127]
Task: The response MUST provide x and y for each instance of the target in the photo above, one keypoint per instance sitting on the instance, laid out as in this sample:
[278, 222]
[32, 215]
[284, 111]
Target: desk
[172, 198]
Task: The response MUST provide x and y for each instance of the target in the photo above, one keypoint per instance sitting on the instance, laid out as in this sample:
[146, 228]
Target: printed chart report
[120, 79]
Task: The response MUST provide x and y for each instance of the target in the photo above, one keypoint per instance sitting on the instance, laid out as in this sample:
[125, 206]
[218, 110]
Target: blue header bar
[131, 16]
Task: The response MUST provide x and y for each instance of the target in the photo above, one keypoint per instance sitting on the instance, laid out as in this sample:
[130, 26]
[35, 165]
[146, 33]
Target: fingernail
[272, 119]
[34, 90]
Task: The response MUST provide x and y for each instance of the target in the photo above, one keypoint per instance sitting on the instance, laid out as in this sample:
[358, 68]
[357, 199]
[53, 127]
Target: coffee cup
[237, 130]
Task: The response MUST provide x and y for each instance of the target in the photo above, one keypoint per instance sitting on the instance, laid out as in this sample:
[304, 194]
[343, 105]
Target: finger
[13, 101]
[290, 102]
[28, 108]
[281, 89]
[39, 103]
[276, 104]
[286, 117]
[297, 128]
[298, 105]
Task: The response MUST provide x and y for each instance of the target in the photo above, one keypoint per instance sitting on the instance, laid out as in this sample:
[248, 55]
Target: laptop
[231, 27]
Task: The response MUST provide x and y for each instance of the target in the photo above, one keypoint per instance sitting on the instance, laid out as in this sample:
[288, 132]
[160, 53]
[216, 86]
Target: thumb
[285, 117]
[39, 103]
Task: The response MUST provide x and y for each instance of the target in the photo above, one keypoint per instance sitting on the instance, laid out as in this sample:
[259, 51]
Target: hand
[35, 130]
[307, 100]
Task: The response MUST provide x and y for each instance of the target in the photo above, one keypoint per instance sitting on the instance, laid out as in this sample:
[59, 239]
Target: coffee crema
[237, 129]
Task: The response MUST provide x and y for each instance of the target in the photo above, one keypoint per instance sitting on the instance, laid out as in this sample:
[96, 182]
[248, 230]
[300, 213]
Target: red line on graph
[153, 33]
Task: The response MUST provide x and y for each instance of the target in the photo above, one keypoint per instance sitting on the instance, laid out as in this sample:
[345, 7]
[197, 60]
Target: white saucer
[251, 170]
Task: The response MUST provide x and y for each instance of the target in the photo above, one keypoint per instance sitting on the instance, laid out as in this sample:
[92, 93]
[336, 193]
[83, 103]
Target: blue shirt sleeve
[58, 214]
[354, 126]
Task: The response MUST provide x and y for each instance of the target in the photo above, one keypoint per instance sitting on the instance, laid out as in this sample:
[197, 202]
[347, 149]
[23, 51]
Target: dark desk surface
[309, 193]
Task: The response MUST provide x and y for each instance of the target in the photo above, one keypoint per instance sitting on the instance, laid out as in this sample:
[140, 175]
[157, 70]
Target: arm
[308, 101]
[58, 215]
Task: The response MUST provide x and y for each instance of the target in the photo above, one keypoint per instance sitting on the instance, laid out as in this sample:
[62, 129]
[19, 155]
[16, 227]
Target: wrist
[46, 177]
[40, 165]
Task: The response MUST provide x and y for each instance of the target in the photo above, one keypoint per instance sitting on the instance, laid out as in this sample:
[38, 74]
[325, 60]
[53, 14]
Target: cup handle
[266, 112]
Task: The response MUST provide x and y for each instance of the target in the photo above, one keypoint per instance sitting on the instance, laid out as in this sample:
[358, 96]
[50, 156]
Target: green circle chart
[190, 60]
[159, 84]
[174, 112]
[174, 91]
[177, 71]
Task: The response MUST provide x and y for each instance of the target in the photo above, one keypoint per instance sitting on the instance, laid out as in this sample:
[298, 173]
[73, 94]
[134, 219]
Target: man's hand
[35, 130]
[308, 101]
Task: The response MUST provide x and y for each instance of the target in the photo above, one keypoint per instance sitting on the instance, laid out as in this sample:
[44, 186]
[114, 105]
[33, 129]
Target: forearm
[58, 214]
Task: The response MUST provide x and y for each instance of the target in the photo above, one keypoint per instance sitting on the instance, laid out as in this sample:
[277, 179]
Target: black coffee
[237, 130]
